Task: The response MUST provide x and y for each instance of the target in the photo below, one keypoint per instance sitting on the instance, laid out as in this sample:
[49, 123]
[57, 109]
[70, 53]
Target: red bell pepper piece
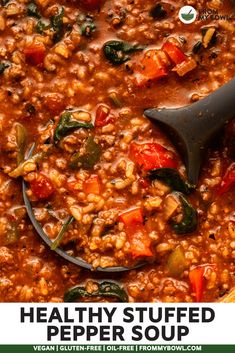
[151, 68]
[132, 216]
[228, 180]
[175, 53]
[151, 155]
[136, 232]
[35, 53]
[41, 186]
[102, 117]
[196, 277]
[139, 240]
[92, 185]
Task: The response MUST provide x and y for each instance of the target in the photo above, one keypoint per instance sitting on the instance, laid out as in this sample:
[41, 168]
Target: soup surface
[106, 184]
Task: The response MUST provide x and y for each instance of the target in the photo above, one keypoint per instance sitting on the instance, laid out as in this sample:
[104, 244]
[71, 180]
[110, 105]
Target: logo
[187, 14]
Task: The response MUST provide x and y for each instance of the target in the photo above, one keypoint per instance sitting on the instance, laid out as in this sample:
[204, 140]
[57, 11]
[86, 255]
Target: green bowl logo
[187, 14]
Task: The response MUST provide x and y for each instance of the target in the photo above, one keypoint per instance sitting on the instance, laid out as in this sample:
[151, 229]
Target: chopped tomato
[139, 240]
[228, 180]
[132, 216]
[92, 185]
[41, 186]
[35, 53]
[152, 67]
[196, 277]
[152, 155]
[102, 117]
[175, 53]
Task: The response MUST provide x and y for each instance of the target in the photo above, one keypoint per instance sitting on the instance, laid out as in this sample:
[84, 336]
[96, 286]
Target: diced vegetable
[209, 37]
[57, 25]
[58, 239]
[177, 262]
[115, 99]
[196, 280]
[175, 53]
[117, 51]
[92, 185]
[186, 66]
[21, 141]
[151, 68]
[87, 26]
[3, 67]
[228, 180]
[132, 216]
[22, 167]
[197, 47]
[32, 10]
[89, 158]
[66, 125]
[41, 26]
[136, 232]
[139, 240]
[102, 117]
[158, 12]
[35, 53]
[172, 178]
[152, 155]
[41, 186]
[104, 290]
[189, 222]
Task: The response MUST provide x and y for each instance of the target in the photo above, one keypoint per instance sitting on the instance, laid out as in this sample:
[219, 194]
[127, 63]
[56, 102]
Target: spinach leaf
[158, 12]
[63, 229]
[41, 26]
[87, 25]
[189, 221]
[32, 10]
[3, 67]
[57, 25]
[105, 289]
[90, 157]
[117, 51]
[197, 47]
[66, 125]
[171, 177]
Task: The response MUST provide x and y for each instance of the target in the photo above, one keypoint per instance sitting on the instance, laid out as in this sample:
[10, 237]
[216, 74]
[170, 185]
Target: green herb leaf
[57, 241]
[171, 177]
[66, 125]
[42, 26]
[87, 25]
[90, 157]
[57, 25]
[116, 51]
[3, 67]
[189, 221]
[105, 289]
[158, 12]
[32, 10]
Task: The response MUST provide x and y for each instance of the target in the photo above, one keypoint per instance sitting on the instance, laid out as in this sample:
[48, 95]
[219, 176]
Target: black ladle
[75, 260]
[192, 127]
